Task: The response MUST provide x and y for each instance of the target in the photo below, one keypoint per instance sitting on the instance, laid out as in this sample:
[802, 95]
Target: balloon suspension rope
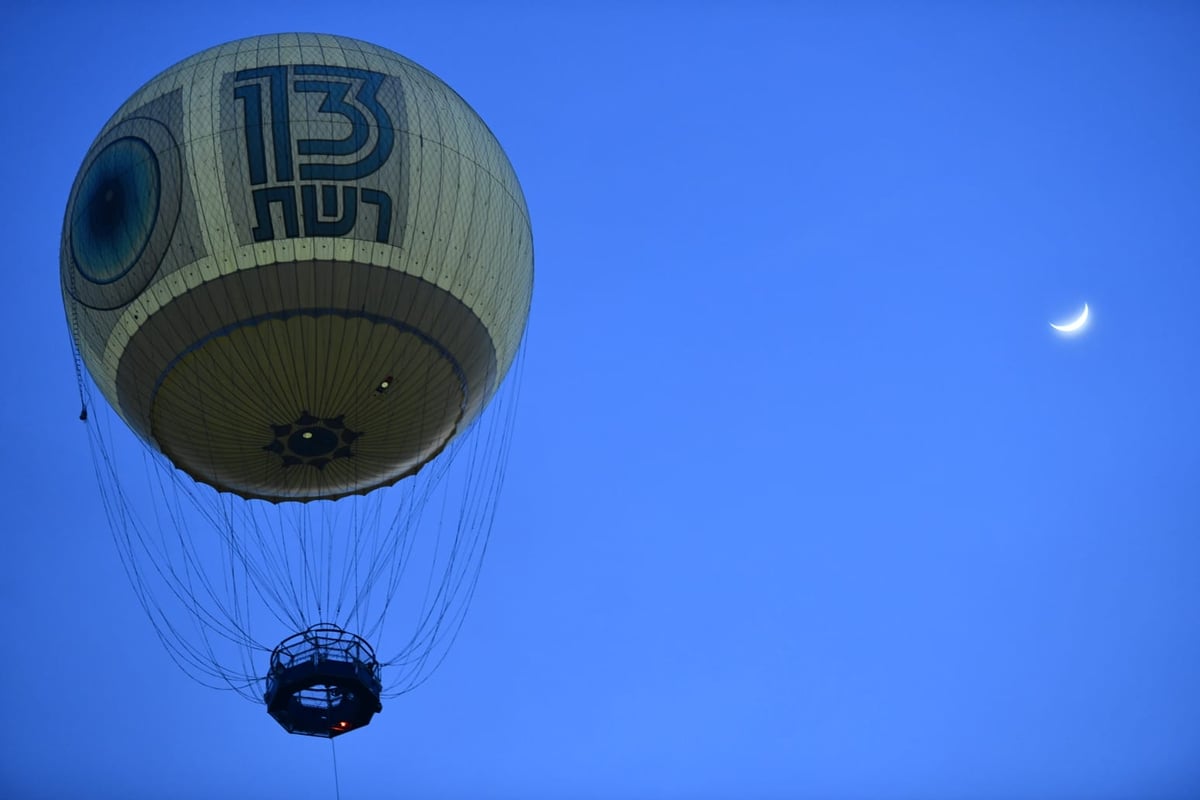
[337, 789]
[76, 357]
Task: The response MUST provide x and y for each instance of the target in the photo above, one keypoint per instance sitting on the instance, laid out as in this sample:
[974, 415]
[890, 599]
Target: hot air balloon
[298, 268]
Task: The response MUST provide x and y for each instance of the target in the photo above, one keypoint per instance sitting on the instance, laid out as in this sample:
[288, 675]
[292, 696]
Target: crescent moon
[1071, 327]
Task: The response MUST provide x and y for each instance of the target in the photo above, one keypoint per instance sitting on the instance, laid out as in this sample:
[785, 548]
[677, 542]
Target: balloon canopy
[298, 265]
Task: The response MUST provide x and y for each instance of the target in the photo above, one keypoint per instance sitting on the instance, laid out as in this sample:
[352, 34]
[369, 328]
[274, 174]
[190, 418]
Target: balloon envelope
[298, 265]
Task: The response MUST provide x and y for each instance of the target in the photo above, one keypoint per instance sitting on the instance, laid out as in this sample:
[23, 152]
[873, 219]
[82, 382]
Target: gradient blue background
[806, 500]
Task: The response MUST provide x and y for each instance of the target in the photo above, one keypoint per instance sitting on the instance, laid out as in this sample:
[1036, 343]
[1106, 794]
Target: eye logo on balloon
[122, 213]
[112, 224]
[286, 172]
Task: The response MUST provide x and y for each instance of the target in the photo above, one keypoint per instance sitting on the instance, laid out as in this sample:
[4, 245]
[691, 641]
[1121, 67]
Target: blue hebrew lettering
[383, 204]
[285, 196]
[345, 92]
[339, 226]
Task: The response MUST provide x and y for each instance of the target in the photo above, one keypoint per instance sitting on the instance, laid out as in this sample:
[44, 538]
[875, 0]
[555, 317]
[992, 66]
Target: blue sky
[806, 498]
